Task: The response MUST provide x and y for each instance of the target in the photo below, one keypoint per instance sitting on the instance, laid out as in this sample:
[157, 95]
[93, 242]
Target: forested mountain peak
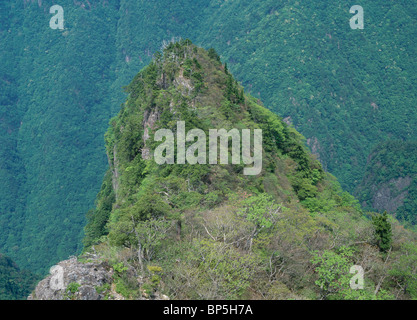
[206, 230]
[346, 90]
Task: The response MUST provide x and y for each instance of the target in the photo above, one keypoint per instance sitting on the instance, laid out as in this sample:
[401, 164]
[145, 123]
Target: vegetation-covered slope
[11, 168]
[54, 115]
[390, 182]
[345, 90]
[210, 232]
[15, 284]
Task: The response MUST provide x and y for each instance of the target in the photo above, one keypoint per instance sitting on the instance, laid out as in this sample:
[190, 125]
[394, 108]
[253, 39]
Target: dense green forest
[55, 115]
[207, 231]
[345, 90]
[390, 182]
[15, 284]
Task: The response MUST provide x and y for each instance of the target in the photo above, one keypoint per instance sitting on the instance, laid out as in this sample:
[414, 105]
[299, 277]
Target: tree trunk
[178, 230]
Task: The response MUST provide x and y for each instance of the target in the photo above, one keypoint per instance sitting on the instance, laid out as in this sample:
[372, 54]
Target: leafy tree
[223, 271]
[383, 231]
[150, 235]
[332, 270]
[262, 211]
[404, 270]
[334, 277]
[213, 54]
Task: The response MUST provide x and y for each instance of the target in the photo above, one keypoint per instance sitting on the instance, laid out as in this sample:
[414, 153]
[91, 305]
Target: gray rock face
[74, 280]
[390, 196]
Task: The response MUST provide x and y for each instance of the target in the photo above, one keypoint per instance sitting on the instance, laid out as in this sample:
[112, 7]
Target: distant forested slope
[390, 182]
[54, 119]
[15, 284]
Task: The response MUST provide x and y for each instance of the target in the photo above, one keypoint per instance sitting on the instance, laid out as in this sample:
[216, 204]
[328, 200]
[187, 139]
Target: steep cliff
[390, 180]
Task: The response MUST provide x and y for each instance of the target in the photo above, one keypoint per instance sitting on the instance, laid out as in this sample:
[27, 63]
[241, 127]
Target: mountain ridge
[301, 58]
[209, 231]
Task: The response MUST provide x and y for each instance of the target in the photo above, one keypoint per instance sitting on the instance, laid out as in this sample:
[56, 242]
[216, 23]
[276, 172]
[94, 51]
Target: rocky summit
[84, 278]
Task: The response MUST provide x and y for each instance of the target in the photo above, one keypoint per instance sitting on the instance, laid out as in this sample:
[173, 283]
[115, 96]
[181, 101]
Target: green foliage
[60, 88]
[104, 290]
[383, 231]
[334, 277]
[230, 269]
[315, 72]
[404, 270]
[152, 234]
[305, 189]
[312, 71]
[119, 268]
[71, 290]
[261, 210]
[58, 84]
[73, 287]
[391, 170]
[124, 284]
[154, 269]
[214, 55]
[123, 289]
[333, 270]
[15, 284]
[97, 218]
[155, 276]
[216, 233]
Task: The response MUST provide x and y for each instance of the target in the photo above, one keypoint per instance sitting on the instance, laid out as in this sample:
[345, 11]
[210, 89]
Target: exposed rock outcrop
[150, 118]
[74, 280]
[86, 279]
[390, 196]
